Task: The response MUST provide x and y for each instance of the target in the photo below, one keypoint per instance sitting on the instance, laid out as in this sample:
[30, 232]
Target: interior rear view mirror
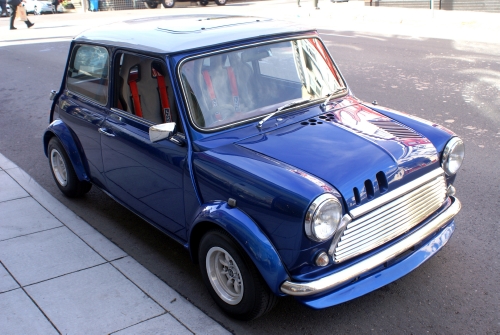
[255, 54]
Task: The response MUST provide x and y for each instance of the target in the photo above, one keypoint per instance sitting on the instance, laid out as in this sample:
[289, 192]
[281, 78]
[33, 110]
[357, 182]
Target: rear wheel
[63, 171]
[203, 2]
[150, 4]
[232, 279]
[168, 3]
[220, 2]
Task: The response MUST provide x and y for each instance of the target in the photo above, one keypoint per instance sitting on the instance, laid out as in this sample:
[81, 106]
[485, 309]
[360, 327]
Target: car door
[147, 177]
[83, 104]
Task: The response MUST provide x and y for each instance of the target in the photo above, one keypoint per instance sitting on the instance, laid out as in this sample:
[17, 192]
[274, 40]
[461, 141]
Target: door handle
[104, 131]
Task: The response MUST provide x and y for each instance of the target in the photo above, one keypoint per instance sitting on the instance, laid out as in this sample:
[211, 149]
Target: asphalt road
[452, 83]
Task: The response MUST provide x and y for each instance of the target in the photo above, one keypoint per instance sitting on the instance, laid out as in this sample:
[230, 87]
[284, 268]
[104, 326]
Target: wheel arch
[74, 151]
[219, 215]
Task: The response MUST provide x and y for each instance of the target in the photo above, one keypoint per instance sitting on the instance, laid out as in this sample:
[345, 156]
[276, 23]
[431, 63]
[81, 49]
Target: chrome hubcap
[58, 167]
[224, 275]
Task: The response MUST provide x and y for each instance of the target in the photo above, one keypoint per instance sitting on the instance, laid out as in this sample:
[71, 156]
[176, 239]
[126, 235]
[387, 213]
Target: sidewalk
[58, 275]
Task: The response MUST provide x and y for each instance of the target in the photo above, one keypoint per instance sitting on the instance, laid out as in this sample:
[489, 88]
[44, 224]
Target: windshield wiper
[329, 96]
[285, 106]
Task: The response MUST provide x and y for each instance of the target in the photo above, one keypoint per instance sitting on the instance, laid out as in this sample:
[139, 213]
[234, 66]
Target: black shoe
[13, 28]
[29, 24]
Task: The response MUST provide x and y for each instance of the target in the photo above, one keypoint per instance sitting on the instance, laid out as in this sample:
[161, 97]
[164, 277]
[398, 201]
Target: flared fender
[247, 233]
[59, 129]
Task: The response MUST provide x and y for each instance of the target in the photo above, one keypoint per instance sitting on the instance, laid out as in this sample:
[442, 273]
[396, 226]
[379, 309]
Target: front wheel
[232, 279]
[203, 2]
[220, 2]
[168, 3]
[150, 4]
[63, 171]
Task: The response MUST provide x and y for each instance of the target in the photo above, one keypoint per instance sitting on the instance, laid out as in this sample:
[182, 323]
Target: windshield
[232, 87]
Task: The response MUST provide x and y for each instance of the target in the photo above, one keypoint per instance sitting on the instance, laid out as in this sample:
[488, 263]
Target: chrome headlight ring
[323, 217]
[453, 156]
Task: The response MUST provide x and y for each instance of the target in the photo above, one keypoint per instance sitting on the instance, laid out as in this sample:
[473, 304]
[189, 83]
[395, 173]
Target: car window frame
[114, 87]
[66, 76]
[184, 91]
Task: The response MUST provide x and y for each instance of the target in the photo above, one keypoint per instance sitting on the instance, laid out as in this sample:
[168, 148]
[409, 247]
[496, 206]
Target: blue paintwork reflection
[147, 177]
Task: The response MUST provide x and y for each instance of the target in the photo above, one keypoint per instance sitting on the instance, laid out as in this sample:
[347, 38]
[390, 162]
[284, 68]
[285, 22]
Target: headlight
[453, 156]
[323, 217]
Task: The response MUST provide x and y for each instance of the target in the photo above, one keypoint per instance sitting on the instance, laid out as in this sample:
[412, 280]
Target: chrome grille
[390, 220]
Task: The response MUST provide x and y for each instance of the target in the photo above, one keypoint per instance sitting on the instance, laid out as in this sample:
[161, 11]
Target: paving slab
[92, 237]
[194, 319]
[163, 324]
[24, 216]
[99, 300]
[19, 315]
[10, 189]
[7, 283]
[6, 163]
[52, 253]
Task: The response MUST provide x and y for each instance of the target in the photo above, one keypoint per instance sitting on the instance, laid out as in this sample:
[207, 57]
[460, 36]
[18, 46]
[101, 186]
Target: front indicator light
[322, 259]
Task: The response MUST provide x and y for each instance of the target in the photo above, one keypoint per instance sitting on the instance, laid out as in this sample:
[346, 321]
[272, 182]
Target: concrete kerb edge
[108, 250]
[183, 311]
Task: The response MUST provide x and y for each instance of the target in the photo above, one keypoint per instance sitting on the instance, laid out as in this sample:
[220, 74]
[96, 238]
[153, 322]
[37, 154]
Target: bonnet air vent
[370, 189]
[395, 129]
[382, 182]
[322, 118]
[311, 122]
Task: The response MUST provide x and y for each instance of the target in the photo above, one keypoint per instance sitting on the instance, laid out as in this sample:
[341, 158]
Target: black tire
[151, 4]
[168, 3]
[203, 2]
[63, 172]
[254, 298]
[220, 2]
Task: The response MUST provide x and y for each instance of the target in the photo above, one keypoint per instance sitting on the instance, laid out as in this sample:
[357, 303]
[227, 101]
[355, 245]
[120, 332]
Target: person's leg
[12, 18]
[28, 23]
[3, 5]
[298, 3]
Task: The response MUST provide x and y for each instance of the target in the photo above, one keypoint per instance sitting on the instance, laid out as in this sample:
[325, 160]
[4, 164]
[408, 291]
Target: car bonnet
[347, 146]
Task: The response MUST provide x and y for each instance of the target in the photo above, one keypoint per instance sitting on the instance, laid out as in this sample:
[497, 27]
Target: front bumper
[385, 276]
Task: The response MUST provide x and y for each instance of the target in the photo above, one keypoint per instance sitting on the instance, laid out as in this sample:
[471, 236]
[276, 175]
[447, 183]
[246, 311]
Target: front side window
[241, 85]
[88, 72]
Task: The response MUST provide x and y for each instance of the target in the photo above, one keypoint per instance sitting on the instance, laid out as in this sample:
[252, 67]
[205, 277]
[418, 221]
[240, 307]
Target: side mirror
[161, 131]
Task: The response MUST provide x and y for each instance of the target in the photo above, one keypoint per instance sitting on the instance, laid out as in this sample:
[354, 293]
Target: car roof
[175, 33]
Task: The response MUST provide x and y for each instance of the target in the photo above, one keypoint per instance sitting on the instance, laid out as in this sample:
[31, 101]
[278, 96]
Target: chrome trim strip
[410, 210]
[386, 198]
[391, 209]
[350, 273]
[390, 220]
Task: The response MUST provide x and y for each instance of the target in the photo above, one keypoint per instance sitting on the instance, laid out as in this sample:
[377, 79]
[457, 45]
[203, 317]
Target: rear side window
[88, 72]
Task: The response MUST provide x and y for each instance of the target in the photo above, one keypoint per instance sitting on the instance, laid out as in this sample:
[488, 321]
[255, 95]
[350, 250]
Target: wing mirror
[161, 131]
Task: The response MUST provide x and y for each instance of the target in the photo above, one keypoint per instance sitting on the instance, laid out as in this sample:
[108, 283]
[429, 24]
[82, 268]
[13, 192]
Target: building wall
[472, 5]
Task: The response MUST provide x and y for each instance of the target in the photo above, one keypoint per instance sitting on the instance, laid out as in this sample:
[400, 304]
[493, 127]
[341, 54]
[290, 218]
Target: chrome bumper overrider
[350, 273]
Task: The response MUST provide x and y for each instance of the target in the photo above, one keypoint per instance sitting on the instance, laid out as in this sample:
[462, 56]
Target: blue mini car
[239, 138]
